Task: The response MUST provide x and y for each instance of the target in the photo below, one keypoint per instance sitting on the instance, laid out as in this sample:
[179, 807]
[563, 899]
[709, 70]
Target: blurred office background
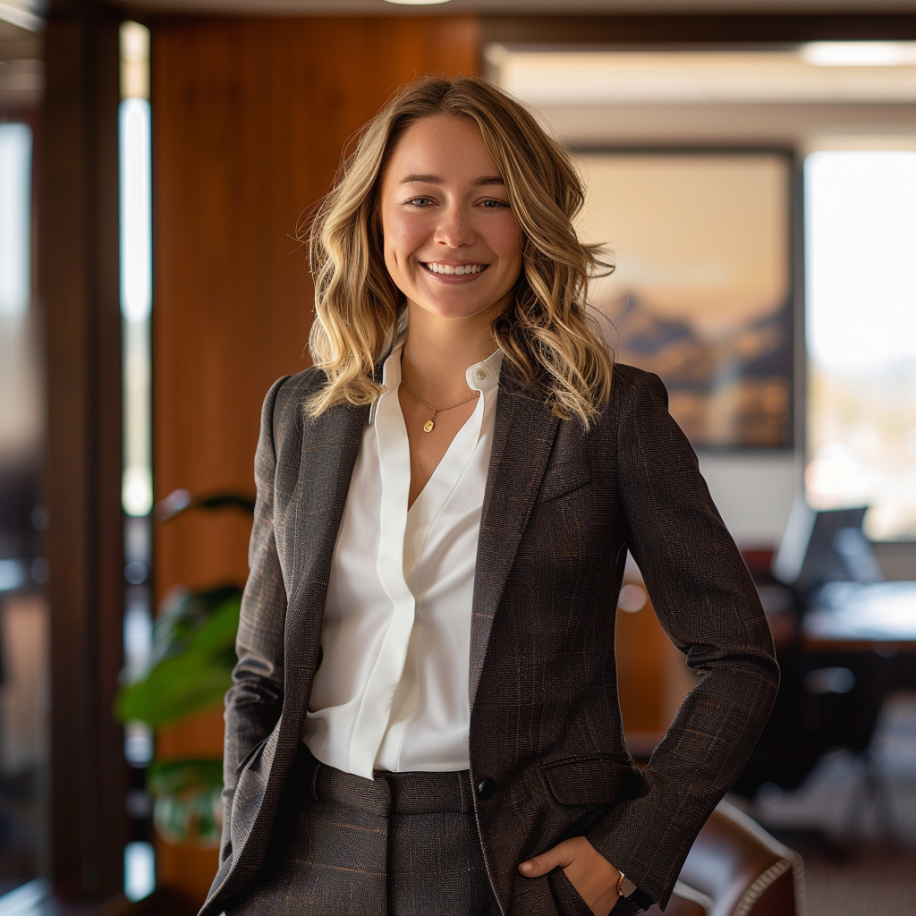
[752, 166]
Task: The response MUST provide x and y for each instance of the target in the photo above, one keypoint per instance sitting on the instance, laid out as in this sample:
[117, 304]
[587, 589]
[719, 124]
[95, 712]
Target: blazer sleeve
[705, 599]
[254, 701]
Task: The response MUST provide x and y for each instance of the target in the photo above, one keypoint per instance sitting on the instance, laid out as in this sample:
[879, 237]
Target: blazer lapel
[523, 438]
[330, 445]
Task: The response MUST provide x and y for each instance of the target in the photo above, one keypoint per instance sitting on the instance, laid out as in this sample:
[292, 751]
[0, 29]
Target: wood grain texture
[249, 120]
[652, 677]
[666, 28]
[640, 650]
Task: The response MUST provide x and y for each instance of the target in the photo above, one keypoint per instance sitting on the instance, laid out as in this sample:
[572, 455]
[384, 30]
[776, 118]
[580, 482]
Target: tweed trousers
[403, 844]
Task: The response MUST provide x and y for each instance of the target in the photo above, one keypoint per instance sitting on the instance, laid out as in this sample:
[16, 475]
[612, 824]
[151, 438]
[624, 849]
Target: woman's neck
[437, 352]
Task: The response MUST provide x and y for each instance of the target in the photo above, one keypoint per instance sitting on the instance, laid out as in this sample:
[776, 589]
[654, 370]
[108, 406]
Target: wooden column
[78, 294]
[249, 120]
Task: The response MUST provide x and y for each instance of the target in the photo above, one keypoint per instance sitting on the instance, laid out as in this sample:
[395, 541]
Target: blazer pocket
[562, 480]
[591, 781]
[568, 900]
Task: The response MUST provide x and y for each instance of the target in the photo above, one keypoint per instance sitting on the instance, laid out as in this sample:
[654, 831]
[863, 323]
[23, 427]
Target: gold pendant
[428, 426]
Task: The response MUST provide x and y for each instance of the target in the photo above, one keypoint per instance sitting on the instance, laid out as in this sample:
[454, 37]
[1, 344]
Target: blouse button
[481, 374]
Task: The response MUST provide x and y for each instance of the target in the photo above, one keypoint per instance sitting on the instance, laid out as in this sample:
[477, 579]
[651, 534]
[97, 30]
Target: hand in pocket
[593, 877]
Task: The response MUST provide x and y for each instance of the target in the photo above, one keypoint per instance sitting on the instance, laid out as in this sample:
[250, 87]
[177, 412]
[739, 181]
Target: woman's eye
[420, 201]
[493, 204]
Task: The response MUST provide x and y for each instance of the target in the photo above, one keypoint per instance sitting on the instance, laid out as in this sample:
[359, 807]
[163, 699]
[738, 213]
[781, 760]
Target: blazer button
[486, 789]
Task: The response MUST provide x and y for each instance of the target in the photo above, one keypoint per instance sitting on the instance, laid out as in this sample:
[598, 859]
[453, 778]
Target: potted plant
[189, 672]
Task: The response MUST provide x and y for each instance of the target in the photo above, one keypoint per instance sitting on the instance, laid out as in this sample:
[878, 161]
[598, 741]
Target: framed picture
[702, 289]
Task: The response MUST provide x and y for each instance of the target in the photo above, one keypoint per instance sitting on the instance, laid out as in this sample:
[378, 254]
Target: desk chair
[736, 868]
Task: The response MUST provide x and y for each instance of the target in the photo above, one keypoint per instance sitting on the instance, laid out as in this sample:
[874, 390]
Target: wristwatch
[629, 891]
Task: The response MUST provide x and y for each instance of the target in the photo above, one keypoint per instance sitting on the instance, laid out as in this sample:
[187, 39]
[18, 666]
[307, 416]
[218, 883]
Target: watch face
[627, 887]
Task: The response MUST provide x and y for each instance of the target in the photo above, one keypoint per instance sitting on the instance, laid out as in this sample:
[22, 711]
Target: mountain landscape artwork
[701, 291]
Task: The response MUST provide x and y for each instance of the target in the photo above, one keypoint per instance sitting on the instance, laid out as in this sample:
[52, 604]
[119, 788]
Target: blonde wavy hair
[544, 335]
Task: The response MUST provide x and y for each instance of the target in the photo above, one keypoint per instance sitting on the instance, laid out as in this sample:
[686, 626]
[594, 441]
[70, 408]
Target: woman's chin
[457, 307]
[450, 311]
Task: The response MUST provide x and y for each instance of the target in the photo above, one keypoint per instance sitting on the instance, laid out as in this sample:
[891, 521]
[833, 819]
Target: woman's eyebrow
[436, 179]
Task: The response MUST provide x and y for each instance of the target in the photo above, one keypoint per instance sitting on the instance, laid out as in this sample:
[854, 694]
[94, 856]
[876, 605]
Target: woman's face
[452, 244]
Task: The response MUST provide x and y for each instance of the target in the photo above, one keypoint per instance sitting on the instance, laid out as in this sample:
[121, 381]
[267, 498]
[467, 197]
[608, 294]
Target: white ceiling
[522, 7]
[698, 78]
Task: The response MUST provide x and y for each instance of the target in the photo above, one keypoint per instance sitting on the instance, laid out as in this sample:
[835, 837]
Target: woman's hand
[593, 877]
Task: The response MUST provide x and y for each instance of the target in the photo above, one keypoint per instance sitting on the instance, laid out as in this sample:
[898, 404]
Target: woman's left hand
[593, 877]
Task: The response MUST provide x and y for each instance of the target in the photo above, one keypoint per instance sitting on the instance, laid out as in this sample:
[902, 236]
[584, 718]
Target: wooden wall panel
[249, 119]
[725, 28]
[652, 678]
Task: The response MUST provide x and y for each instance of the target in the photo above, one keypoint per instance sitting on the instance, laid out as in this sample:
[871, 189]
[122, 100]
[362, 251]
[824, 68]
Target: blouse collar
[483, 376]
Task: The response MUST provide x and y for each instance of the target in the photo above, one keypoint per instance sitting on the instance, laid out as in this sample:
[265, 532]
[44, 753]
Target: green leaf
[176, 688]
[174, 776]
[187, 806]
[187, 616]
[192, 660]
[218, 632]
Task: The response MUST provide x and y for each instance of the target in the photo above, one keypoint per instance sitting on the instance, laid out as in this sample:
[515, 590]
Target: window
[860, 234]
[134, 127]
[23, 569]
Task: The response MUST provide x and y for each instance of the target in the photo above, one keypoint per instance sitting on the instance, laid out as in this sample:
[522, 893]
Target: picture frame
[702, 291]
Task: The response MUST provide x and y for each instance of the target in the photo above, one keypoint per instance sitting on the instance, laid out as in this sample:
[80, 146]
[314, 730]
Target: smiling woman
[425, 717]
[451, 244]
[452, 247]
[517, 171]
[452, 227]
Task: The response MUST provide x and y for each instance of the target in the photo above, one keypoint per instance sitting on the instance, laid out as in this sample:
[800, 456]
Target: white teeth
[459, 271]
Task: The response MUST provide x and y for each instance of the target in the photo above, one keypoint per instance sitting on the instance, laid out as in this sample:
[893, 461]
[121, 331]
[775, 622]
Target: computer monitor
[825, 545]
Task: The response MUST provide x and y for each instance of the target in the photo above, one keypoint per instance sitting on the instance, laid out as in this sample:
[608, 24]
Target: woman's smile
[452, 273]
[458, 270]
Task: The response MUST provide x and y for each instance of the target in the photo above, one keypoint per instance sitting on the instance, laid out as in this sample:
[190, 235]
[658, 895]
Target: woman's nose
[455, 228]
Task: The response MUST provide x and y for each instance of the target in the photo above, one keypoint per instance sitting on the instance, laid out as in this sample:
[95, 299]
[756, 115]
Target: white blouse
[391, 692]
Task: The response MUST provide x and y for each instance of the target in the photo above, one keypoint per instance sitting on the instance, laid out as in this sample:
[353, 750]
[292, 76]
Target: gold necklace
[430, 424]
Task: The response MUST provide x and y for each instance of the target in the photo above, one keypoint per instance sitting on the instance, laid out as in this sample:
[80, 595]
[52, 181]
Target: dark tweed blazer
[561, 508]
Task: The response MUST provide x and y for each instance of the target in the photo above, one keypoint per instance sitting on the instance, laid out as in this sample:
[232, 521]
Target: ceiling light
[22, 13]
[859, 53]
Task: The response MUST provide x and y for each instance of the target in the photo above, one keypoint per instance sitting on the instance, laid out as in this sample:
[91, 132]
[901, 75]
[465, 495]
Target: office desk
[868, 631]
[876, 617]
